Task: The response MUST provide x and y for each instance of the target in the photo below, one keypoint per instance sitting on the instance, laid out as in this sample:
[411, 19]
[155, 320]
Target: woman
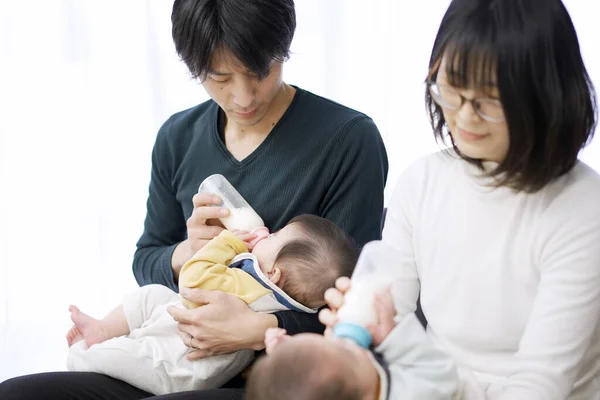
[500, 234]
[287, 151]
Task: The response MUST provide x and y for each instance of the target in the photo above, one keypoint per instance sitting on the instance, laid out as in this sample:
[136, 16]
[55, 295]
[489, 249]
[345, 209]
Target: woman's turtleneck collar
[482, 176]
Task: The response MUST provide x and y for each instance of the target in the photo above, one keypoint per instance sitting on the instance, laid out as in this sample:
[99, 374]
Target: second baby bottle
[371, 276]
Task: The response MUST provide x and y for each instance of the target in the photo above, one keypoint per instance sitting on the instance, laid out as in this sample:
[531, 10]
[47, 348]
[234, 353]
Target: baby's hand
[274, 337]
[384, 306]
[246, 237]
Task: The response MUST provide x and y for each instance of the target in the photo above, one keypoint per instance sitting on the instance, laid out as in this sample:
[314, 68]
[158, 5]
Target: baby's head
[310, 367]
[306, 257]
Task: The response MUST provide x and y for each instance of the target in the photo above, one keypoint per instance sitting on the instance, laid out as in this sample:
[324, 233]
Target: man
[286, 150]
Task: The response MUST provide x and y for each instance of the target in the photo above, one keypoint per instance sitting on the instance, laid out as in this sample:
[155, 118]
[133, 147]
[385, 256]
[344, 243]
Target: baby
[138, 341]
[403, 365]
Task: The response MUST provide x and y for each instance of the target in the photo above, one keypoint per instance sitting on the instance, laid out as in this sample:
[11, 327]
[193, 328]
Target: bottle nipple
[262, 232]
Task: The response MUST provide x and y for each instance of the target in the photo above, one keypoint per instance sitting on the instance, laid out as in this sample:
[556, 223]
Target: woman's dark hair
[529, 49]
[255, 32]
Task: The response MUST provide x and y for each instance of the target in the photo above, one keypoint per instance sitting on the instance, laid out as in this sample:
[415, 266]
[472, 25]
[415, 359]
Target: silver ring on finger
[190, 342]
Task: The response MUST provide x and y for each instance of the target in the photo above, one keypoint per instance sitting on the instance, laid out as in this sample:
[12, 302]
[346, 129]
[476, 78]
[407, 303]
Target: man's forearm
[153, 265]
[297, 322]
[256, 337]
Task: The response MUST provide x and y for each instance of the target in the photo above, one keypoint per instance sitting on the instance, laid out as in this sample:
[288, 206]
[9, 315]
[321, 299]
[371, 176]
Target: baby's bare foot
[91, 329]
[74, 336]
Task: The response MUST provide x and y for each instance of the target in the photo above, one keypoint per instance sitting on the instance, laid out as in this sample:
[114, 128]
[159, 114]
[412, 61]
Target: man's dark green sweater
[320, 158]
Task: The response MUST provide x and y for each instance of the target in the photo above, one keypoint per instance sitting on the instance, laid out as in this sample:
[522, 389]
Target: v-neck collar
[274, 131]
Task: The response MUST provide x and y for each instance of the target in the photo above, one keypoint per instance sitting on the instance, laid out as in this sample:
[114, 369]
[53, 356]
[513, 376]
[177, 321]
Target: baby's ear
[275, 275]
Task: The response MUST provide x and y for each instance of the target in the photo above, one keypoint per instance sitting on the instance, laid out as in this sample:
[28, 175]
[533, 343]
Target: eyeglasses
[445, 96]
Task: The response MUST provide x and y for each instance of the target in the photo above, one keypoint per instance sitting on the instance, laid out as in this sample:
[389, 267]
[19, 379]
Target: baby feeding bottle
[241, 216]
[371, 276]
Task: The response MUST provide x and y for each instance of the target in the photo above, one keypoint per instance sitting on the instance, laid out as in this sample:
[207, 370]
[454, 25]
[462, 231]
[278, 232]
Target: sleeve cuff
[235, 242]
[280, 323]
[407, 333]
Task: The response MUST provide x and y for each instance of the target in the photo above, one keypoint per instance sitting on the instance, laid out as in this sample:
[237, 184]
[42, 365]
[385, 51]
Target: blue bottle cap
[348, 330]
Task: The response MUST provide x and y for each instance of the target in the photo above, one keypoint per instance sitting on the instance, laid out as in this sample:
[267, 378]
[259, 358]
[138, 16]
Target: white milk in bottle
[242, 217]
[373, 274]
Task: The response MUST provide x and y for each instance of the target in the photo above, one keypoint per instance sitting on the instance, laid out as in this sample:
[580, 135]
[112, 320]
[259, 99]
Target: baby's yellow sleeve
[208, 269]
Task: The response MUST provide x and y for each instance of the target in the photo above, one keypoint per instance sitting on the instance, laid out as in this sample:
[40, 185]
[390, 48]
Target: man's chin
[248, 121]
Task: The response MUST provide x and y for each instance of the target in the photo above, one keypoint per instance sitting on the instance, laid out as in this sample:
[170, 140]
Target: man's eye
[218, 80]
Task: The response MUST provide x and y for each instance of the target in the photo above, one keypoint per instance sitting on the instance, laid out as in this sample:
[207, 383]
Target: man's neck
[241, 141]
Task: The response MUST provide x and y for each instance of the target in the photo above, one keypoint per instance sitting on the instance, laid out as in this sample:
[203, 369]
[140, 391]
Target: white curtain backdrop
[84, 87]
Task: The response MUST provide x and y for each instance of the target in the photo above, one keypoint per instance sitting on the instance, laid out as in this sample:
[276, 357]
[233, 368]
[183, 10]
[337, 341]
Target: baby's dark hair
[310, 265]
[292, 373]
